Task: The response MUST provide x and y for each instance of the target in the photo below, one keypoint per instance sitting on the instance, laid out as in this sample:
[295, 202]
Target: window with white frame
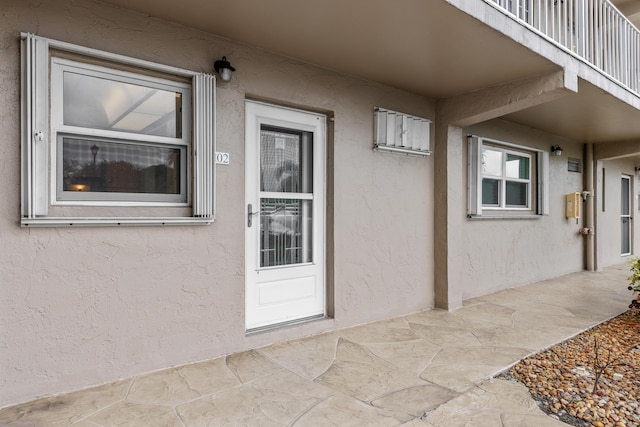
[102, 131]
[506, 179]
[118, 136]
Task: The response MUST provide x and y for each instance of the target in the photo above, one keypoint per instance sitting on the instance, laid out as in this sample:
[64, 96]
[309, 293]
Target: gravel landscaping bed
[561, 379]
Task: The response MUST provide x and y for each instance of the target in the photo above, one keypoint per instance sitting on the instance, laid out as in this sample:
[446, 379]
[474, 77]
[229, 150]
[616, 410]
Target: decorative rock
[562, 377]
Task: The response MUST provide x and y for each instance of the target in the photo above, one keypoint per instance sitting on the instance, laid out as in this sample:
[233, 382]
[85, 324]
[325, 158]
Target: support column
[449, 215]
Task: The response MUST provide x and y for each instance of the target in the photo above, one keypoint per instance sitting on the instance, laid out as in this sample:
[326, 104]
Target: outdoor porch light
[557, 150]
[224, 68]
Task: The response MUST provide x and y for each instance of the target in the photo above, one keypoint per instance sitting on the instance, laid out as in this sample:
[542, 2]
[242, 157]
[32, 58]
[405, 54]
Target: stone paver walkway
[428, 369]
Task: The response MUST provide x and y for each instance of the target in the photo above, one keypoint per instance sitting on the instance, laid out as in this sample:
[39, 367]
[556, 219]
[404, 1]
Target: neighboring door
[284, 216]
[625, 214]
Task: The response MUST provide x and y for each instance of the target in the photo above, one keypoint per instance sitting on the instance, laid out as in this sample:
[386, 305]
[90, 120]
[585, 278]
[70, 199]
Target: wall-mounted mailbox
[572, 206]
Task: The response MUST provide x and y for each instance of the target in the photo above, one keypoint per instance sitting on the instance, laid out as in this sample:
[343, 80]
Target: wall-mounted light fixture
[557, 150]
[224, 68]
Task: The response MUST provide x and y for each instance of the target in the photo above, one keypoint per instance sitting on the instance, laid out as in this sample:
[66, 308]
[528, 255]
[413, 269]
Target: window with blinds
[400, 132]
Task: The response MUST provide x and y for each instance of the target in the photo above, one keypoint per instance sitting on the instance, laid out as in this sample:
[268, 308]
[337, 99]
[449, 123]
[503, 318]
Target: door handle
[250, 214]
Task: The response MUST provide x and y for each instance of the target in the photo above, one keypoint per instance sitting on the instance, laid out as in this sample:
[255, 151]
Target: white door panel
[284, 238]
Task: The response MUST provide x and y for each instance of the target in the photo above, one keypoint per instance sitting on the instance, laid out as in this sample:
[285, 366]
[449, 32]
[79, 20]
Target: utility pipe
[589, 214]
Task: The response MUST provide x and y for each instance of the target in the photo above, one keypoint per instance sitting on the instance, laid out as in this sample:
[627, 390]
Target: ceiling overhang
[430, 48]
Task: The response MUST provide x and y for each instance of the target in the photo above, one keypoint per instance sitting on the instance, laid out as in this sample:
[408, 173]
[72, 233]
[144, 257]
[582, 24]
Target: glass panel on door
[286, 196]
[284, 232]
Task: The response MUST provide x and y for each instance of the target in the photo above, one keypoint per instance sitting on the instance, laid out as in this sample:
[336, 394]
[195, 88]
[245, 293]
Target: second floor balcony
[594, 30]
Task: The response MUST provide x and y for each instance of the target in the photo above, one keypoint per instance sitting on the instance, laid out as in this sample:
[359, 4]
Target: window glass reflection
[517, 194]
[99, 103]
[517, 166]
[285, 232]
[490, 192]
[99, 166]
[491, 162]
[285, 161]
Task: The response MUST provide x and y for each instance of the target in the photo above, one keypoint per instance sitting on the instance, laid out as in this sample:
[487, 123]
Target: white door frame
[626, 216]
[280, 294]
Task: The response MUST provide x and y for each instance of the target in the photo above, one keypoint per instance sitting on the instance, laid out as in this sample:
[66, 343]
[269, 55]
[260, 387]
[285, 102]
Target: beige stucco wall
[84, 306]
[609, 228]
[503, 253]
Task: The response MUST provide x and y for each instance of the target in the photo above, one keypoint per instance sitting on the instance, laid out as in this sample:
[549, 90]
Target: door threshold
[280, 325]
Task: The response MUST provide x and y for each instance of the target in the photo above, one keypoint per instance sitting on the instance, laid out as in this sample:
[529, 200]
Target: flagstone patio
[430, 369]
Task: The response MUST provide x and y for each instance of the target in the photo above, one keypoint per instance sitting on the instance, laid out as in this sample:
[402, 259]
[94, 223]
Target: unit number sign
[222, 158]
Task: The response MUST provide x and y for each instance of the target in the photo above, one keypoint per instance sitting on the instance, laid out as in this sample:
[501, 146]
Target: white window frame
[59, 131]
[538, 187]
[503, 179]
[41, 127]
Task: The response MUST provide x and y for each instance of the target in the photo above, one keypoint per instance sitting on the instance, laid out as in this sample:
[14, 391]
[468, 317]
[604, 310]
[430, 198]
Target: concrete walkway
[428, 369]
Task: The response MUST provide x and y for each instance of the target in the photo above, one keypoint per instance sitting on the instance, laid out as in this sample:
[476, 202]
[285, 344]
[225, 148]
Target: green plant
[634, 283]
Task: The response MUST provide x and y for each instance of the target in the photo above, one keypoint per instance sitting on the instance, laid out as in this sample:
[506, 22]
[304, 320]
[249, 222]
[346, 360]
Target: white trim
[35, 126]
[407, 151]
[274, 282]
[501, 217]
[109, 56]
[509, 144]
[111, 221]
[277, 195]
[474, 185]
[543, 182]
[204, 145]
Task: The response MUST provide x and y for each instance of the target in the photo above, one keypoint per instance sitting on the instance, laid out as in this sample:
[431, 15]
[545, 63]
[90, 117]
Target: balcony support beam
[616, 151]
[452, 116]
[490, 103]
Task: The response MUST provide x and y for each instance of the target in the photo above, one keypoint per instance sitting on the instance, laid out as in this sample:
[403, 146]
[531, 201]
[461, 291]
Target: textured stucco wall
[504, 253]
[609, 222]
[80, 307]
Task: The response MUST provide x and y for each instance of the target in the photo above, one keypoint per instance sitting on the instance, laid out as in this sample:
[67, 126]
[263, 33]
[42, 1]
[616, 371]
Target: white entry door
[625, 215]
[284, 215]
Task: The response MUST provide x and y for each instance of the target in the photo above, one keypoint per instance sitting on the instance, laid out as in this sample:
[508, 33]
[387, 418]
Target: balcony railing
[592, 29]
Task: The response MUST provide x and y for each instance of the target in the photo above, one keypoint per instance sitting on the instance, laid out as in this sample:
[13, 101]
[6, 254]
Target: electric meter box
[573, 205]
